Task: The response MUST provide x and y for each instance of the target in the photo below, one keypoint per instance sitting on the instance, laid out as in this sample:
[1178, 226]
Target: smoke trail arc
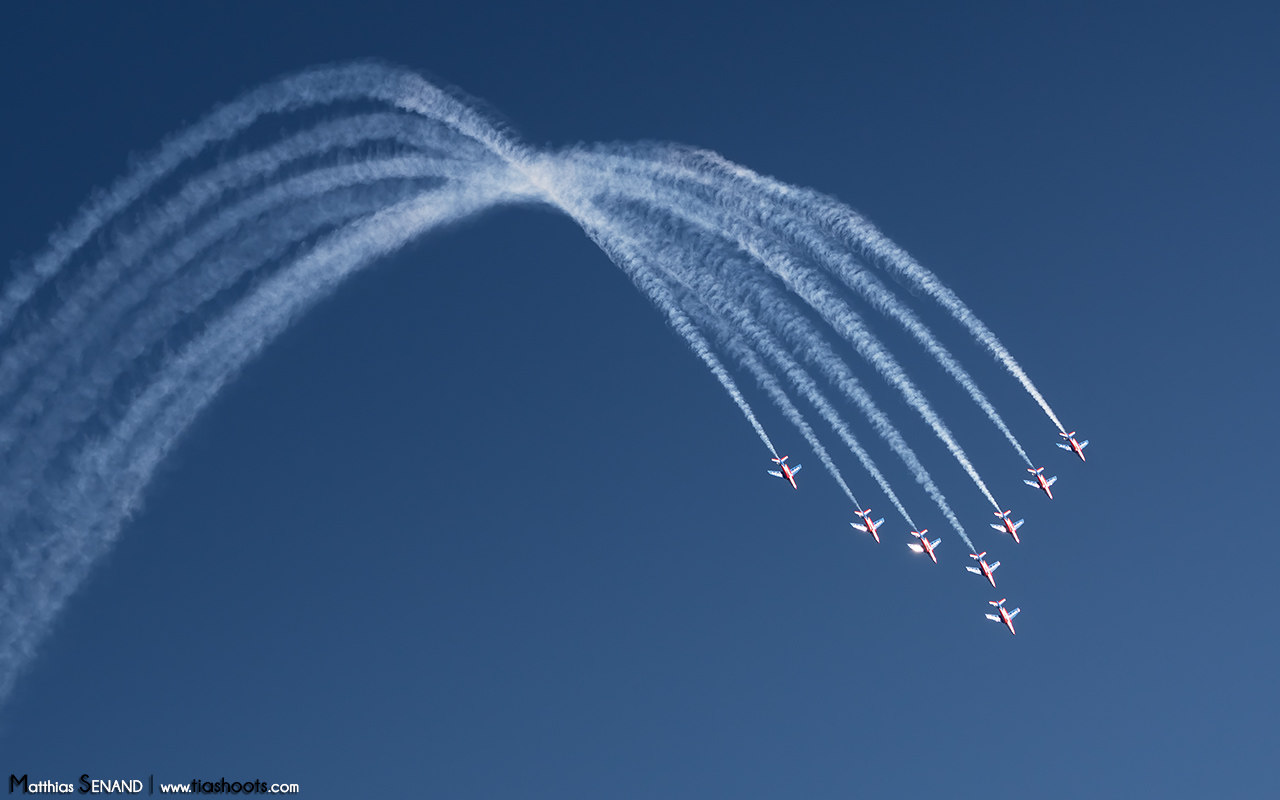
[172, 279]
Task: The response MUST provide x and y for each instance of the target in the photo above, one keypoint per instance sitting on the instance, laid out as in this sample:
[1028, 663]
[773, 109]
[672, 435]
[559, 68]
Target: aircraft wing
[994, 566]
[862, 528]
[994, 618]
[915, 548]
[974, 570]
[935, 543]
[1014, 613]
[1018, 524]
[878, 522]
[998, 527]
[1031, 483]
[1084, 444]
[795, 469]
[775, 474]
[1052, 480]
[1064, 446]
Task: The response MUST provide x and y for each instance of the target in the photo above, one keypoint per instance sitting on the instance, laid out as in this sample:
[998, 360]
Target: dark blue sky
[481, 526]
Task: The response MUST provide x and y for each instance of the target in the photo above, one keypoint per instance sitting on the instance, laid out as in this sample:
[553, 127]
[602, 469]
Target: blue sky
[480, 525]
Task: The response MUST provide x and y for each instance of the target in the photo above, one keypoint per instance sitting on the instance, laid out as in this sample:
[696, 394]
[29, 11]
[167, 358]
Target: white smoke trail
[88, 314]
[196, 197]
[861, 235]
[106, 483]
[322, 86]
[74, 467]
[709, 290]
[50, 413]
[818, 296]
[744, 208]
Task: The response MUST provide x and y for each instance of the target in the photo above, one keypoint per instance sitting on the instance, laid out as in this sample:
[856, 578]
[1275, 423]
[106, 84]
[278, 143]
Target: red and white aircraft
[1041, 482]
[983, 568]
[868, 526]
[925, 546]
[788, 473]
[1072, 445]
[1005, 617]
[1009, 526]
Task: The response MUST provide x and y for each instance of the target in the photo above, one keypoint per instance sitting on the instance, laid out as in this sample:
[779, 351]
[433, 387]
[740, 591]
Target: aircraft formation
[924, 545]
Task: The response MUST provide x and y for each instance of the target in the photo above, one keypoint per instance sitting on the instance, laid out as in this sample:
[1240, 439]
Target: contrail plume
[49, 414]
[197, 196]
[704, 285]
[106, 484]
[821, 297]
[862, 236]
[321, 86]
[154, 296]
[754, 212]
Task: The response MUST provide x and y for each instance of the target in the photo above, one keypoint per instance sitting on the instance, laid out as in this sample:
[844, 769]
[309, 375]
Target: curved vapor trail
[795, 327]
[807, 340]
[755, 212]
[194, 281]
[108, 477]
[861, 236]
[198, 196]
[51, 411]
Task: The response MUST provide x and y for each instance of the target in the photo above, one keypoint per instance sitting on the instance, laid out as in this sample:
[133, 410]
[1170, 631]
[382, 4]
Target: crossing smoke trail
[861, 236]
[193, 273]
[750, 210]
[822, 299]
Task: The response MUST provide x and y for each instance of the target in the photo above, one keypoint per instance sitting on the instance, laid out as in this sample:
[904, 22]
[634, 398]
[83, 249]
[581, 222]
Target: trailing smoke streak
[808, 341]
[860, 235]
[750, 210]
[322, 86]
[543, 175]
[75, 468]
[63, 411]
[712, 292]
[112, 298]
[196, 197]
[106, 485]
[834, 311]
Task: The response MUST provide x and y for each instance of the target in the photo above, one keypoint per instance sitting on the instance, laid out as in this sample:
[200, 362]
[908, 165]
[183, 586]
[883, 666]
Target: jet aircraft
[983, 568]
[1007, 525]
[868, 526]
[1041, 482]
[1072, 445]
[925, 546]
[1006, 616]
[787, 473]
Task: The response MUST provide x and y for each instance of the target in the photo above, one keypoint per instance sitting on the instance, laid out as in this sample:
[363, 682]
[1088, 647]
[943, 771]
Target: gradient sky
[481, 525]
